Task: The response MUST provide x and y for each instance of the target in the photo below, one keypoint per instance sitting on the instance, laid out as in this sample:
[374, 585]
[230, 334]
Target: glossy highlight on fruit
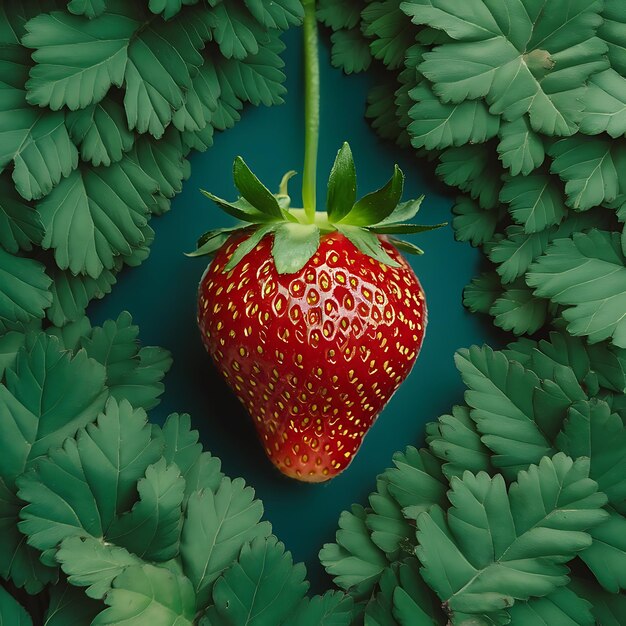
[315, 355]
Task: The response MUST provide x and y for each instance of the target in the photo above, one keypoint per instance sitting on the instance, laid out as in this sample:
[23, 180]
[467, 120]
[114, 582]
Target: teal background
[161, 296]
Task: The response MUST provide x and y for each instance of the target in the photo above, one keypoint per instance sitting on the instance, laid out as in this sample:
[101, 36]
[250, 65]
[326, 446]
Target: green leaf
[439, 125]
[181, 443]
[495, 547]
[279, 14]
[338, 14]
[500, 394]
[561, 607]
[609, 609]
[92, 563]
[526, 63]
[89, 8]
[606, 556]
[69, 606]
[203, 474]
[341, 185]
[381, 110]
[133, 374]
[20, 225]
[376, 206]
[589, 166]
[593, 260]
[612, 31]
[235, 31]
[414, 604]
[454, 439]
[334, 608]
[367, 243]
[95, 215]
[521, 150]
[11, 612]
[518, 311]
[24, 288]
[482, 292]
[262, 587]
[294, 245]
[605, 105]
[76, 60]
[100, 132]
[254, 191]
[217, 525]
[167, 8]
[146, 591]
[49, 395]
[535, 201]
[81, 488]
[388, 26]
[10, 344]
[151, 529]
[354, 562]
[350, 51]
[259, 77]
[472, 223]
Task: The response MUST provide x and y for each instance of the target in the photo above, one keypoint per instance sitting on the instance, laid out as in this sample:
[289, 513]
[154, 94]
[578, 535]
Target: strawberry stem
[311, 108]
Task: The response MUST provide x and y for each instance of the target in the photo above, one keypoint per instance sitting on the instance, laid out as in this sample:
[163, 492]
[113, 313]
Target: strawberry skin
[314, 356]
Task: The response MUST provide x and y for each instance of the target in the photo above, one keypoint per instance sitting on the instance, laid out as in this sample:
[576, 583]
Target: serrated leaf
[609, 609]
[204, 474]
[334, 608]
[414, 604]
[80, 489]
[500, 394]
[354, 562]
[88, 8]
[605, 105]
[100, 132]
[145, 590]
[438, 125]
[92, 563]
[521, 150]
[181, 443]
[235, 31]
[517, 310]
[482, 292]
[151, 529]
[593, 260]
[11, 611]
[279, 14]
[561, 607]
[71, 294]
[381, 111]
[133, 374]
[388, 26]
[613, 31]
[337, 14]
[24, 289]
[69, 606]
[20, 225]
[473, 223]
[454, 439]
[195, 115]
[535, 201]
[350, 51]
[522, 64]
[95, 215]
[262, 587]
[217, 525]
[493, 545]
[259, 77]
[76, 60]
[589, 166]
[379, 608]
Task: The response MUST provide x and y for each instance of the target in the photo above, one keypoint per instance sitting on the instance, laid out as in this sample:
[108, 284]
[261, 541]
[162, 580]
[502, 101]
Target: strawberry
[314, 321]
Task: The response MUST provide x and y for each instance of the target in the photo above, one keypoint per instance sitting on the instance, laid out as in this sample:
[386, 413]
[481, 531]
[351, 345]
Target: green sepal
[294, 245]
[404, 212]
[405, 229]
[213, 240]
[376, 206]
[368, 243]
[241, 209]
[405, 246]
[341, 185]
[248, 245]
[255, 192]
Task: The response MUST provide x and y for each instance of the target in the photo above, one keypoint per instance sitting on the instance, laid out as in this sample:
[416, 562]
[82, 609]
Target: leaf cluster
[522, 110]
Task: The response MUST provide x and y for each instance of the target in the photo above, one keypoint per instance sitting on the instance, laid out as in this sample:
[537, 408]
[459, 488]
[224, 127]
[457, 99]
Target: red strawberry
[313, 356]
[315, 351]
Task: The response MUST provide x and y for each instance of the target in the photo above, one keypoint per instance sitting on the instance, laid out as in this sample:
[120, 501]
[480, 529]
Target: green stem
[311, 108]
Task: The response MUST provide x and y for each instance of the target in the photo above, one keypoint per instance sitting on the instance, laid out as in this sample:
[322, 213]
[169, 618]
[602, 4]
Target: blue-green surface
[161, 295]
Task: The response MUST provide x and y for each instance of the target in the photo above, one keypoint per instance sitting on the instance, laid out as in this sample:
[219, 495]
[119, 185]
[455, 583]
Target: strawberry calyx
[297, 232]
